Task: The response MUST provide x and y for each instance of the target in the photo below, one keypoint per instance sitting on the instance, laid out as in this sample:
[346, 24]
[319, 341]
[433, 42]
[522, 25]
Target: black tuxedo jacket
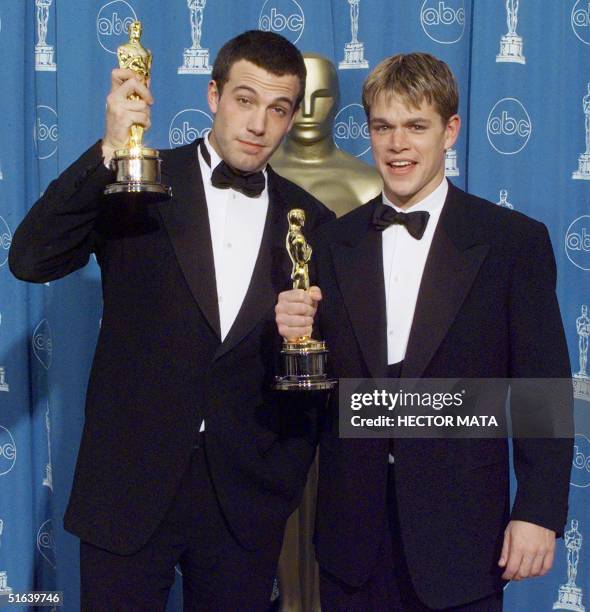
[160, 366]
[486, 309]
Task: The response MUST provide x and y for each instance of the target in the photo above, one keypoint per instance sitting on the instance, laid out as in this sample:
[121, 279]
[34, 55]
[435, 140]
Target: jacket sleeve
[538, 350]
[58, 234]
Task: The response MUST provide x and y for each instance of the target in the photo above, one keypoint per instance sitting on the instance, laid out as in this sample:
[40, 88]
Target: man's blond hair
[415, 78]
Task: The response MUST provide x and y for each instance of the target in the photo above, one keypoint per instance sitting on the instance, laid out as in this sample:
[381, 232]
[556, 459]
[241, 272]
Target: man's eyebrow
[406, 122]
[285, 99]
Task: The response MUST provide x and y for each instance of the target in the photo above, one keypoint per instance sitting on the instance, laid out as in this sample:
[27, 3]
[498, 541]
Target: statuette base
[44, 58]
[354, 56]
[569, 598]
[511, 49]
[581, 388]
[196, 61]
[583, 171]
[138, 174]
[304, 367]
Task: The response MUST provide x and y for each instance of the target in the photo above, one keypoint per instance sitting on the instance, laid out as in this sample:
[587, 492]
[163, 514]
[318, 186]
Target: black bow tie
[224, 177]
[415, 222]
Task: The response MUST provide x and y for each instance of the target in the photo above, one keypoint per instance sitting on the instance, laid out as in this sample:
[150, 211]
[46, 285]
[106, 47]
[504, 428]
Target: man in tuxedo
[187, 456]
[426, 281]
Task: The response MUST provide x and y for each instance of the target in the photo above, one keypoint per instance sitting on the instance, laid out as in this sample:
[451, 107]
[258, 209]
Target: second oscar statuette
[303, 359]
[137, 167]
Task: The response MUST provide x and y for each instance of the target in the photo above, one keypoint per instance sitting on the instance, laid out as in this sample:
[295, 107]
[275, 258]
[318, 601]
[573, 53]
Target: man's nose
[398, 140]
[257, 121]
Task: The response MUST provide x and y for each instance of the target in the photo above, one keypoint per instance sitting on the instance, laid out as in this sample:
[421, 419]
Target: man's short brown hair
[267, 50]
[414, 77]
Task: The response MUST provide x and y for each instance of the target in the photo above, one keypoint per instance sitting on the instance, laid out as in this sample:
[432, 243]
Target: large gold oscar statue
[310, 158]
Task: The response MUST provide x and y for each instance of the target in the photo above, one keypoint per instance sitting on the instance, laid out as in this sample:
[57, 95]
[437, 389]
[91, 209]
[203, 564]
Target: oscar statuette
[137, 167]
[304, 359]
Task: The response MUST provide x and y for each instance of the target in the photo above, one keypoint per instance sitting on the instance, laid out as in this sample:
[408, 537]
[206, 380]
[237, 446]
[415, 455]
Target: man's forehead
[396, 101]
[246, 74]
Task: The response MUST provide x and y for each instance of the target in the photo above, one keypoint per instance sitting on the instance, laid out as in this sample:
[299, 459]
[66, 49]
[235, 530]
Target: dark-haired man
[426, 281]
[186, 456]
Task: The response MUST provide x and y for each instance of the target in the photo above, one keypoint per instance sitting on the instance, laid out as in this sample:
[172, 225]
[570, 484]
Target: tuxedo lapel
[358, 262]
[451, 268]
[187, 223]
[271, 270]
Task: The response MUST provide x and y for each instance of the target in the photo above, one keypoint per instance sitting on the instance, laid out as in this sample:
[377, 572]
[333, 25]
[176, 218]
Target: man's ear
[452, 130]
[213, 95]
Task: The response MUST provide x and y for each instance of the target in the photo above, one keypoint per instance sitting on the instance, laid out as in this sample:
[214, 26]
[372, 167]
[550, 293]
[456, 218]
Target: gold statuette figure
[304, 359]
[309, 156]
[137, 167]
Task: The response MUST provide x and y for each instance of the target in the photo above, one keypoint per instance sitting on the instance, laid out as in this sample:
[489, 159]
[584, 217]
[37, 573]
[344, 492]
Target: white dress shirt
[236, 223]
[404, 259]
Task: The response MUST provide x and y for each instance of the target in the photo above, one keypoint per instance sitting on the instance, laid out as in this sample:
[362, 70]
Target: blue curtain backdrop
[524, 73]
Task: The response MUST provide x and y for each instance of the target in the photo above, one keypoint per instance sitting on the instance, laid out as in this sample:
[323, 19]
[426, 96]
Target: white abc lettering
[5, 241]
[580, 20]
[581, 461]
[8, 451]
[115, 25]
[46, 132]
[284, 16]
[580, 475]
[112, 24]
[579, 242]
[444, 15]
[581, 17]
[277, 22]
[443, 20]
[351, 132]
[509, 126]
[188, 125]
[505, 124]
[186, 133]
[351, 129]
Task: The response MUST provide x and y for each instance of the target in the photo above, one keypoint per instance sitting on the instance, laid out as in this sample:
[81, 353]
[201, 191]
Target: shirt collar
[432, 203]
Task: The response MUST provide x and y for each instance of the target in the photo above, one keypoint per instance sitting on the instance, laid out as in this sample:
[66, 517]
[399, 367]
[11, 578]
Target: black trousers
[218, 574]
[390, 589]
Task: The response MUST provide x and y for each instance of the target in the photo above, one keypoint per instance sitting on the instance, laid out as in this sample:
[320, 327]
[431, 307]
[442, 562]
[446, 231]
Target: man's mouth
[252, 145]
[401, 163]
[401, 166]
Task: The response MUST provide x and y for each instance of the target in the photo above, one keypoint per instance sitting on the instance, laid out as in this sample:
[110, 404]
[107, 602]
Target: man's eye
[243, 100]
[417, 127]
[279, 110]
[380, 128]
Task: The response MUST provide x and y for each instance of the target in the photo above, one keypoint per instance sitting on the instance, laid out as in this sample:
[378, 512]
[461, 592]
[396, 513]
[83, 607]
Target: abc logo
[43, 344]
[577, 242]
[5, 241]
[351, 132]
[443, 20]
[580, 476]
[284, 17]
[112, 24]
[581, 20]
[46, 542]
[188, 125]
[509, 126]
[7, 451]
[45, 132]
